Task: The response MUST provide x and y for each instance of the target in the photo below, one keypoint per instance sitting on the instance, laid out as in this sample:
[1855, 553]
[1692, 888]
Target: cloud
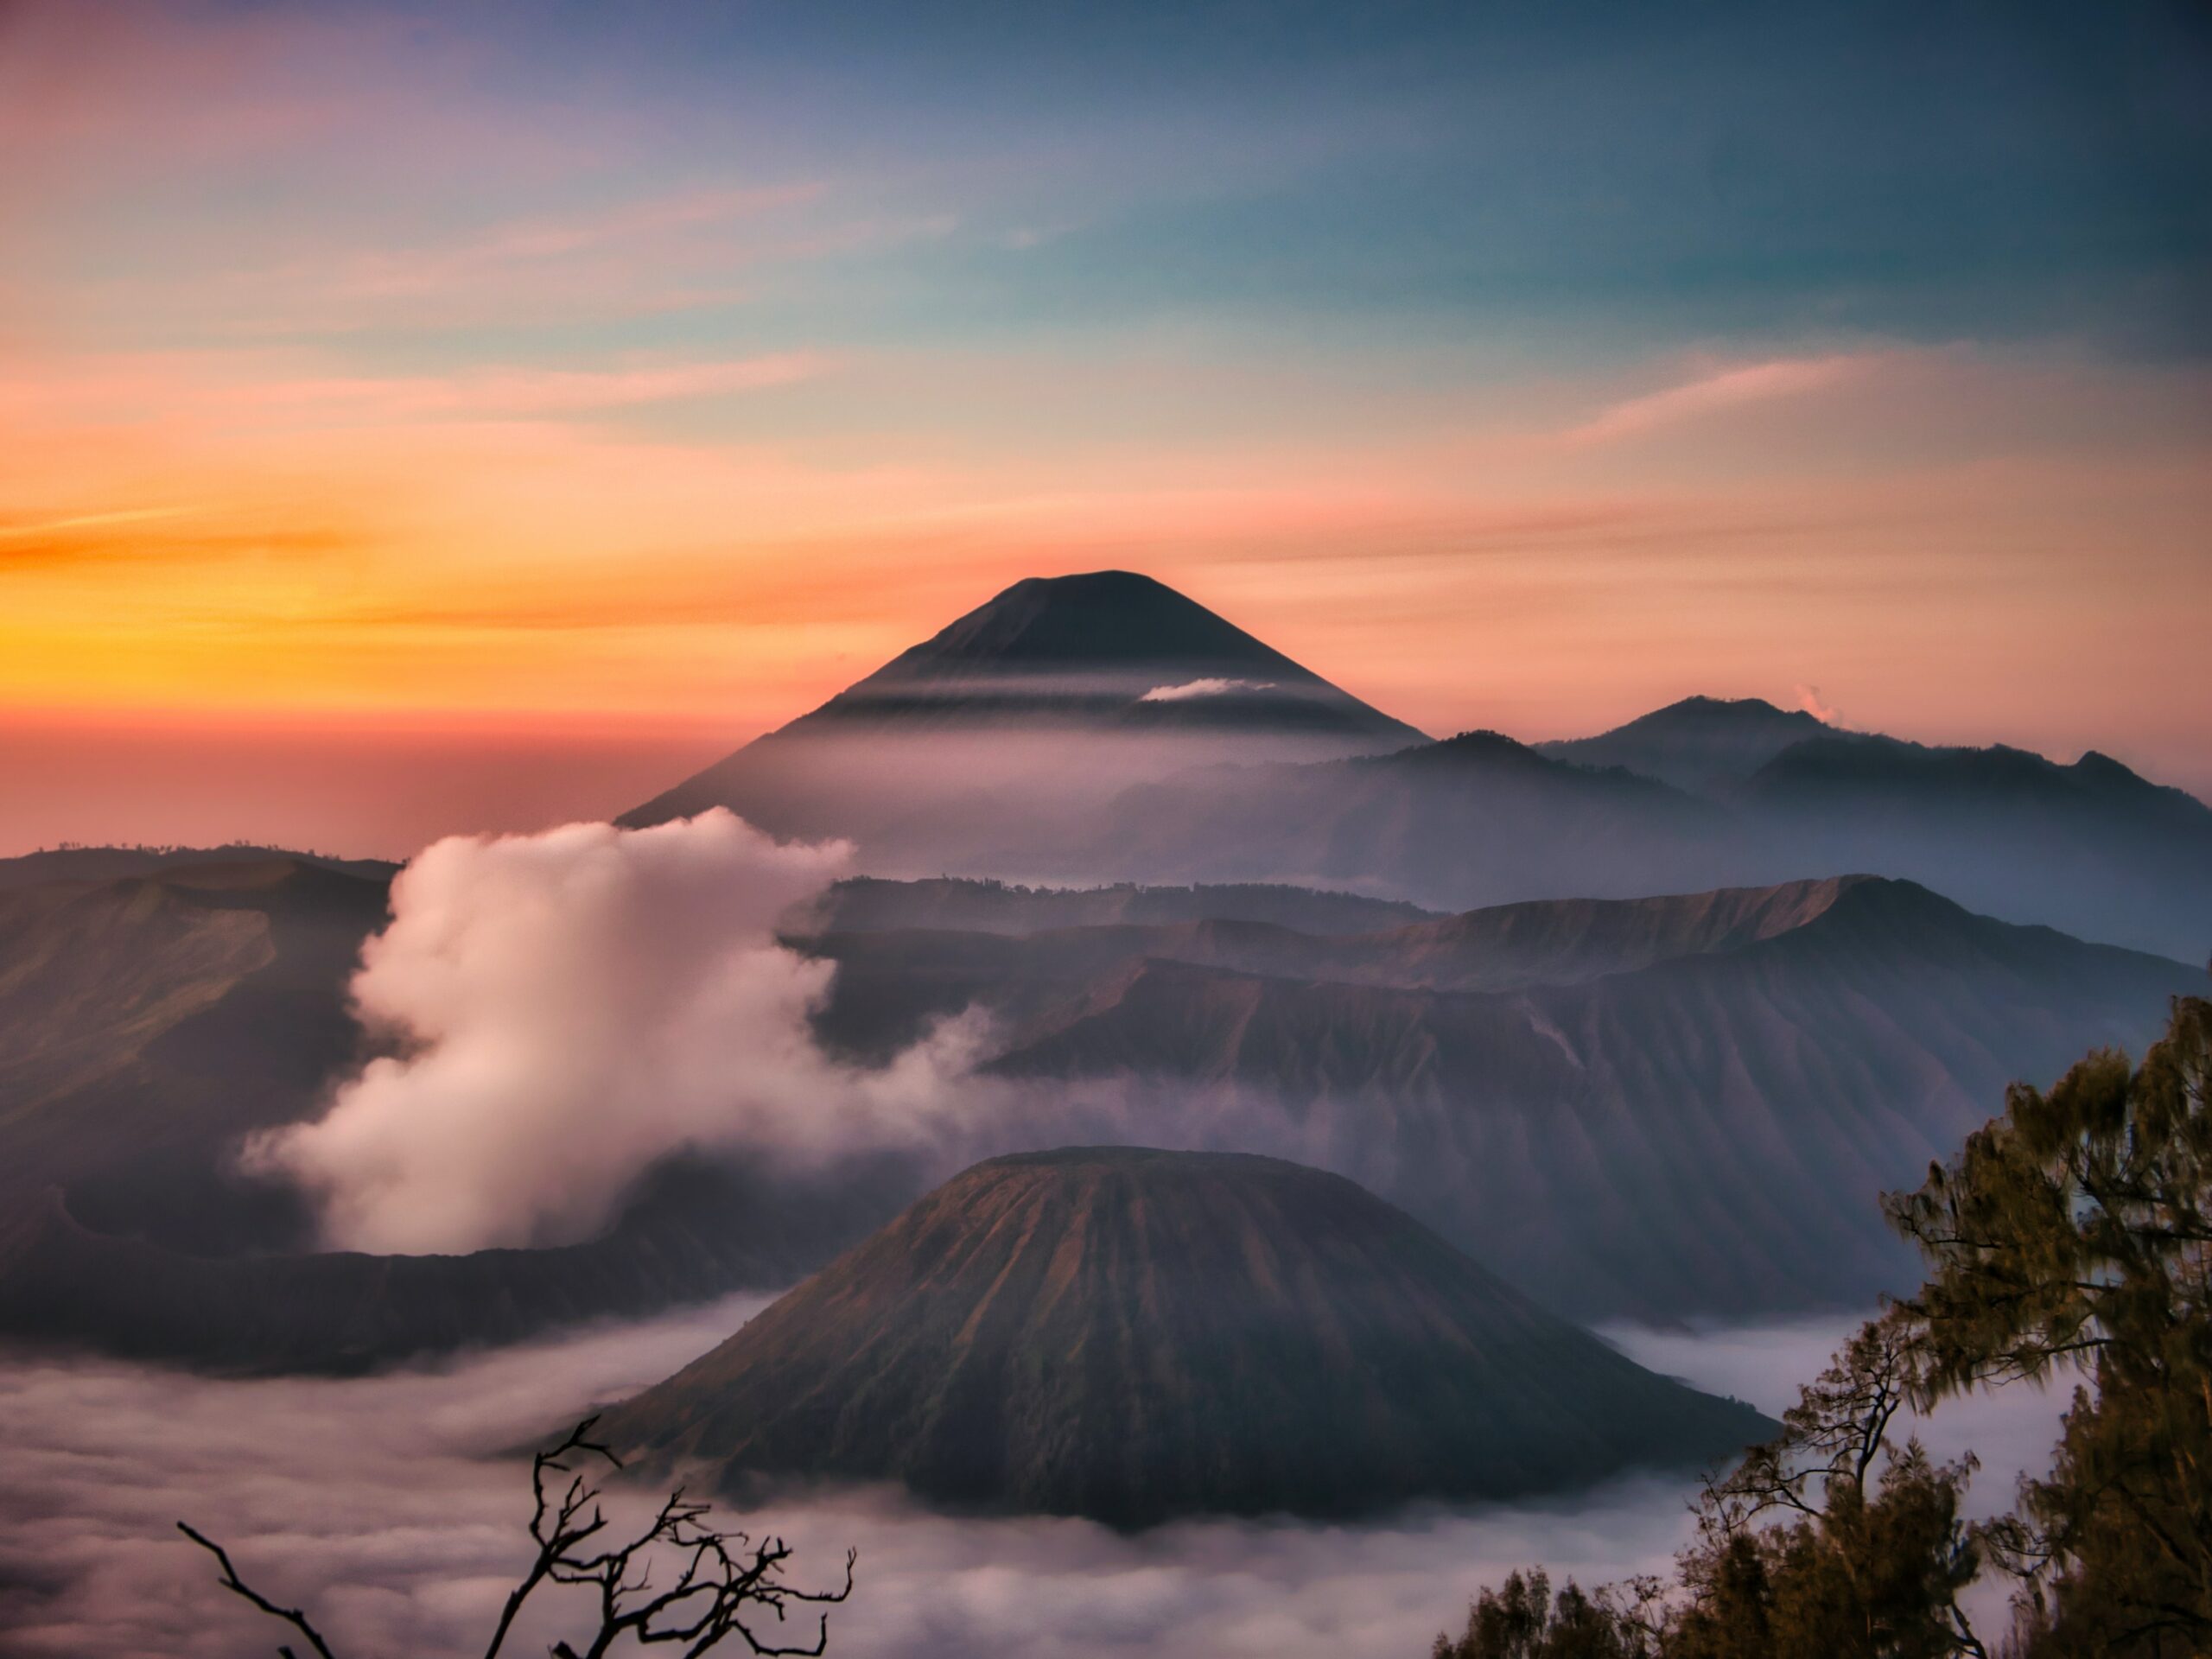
[384, 1506]
[1809, 699]
[570, 1006]
[514, 391]
[1203, 689]
[1724, 389]
[522, 241]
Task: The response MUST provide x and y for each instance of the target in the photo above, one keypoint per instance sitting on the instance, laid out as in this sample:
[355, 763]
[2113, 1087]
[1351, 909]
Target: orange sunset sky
[414, 421]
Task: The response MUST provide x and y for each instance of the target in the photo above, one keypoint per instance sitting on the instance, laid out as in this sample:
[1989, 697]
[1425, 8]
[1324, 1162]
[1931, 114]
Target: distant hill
[1476, 819]
[1703, 745]
[2090, 848]
[112, 863]
[178, 1009]
[1138, 1334]
[1656, 1107]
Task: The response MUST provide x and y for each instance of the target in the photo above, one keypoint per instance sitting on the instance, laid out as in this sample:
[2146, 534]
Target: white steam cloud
[1190, 689]
[1809, 699]
[571, 1007]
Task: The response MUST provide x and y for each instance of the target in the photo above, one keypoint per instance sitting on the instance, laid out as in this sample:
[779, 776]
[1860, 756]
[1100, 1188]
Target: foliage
[724, 1585]
[1524, 1621]
[2072, 1232]
[1833, 1539]
[2075, 1233]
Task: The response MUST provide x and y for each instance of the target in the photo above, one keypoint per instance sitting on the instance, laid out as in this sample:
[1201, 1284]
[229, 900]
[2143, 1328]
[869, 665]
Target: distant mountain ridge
[1480, 819]
[1652, 1106]
[1136, 1336]
[1661, 1108]
[1700, 745]
[110, 863]
[1094, 729]
[871, 905]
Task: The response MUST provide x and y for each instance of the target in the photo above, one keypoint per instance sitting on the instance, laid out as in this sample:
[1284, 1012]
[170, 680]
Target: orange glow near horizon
[595, 455]
[533, 574]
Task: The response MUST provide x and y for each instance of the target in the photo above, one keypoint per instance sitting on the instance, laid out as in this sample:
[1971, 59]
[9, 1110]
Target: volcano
[1134, 1335]
[1112, 649]
[1000, 732]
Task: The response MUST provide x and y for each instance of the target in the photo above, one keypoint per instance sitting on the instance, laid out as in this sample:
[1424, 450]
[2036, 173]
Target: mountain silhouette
[1703, 745]
[1081, 681]
[1480, 819]
[1104, 728]
[1006, 732]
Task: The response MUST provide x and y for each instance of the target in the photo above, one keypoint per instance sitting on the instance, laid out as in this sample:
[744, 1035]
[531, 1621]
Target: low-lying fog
[384, 1506]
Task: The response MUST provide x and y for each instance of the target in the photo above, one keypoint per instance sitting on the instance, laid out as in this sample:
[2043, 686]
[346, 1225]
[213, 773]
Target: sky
[421, 419]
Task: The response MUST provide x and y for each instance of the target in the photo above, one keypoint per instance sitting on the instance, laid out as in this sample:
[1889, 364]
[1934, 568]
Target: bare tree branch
[236, 1586]
[722, 1579]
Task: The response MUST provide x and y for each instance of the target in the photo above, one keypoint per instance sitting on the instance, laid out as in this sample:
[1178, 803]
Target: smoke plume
[568, 1007]
[1809, 699]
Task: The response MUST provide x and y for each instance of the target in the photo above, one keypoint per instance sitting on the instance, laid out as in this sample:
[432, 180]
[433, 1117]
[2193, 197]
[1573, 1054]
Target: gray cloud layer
[382, 1504]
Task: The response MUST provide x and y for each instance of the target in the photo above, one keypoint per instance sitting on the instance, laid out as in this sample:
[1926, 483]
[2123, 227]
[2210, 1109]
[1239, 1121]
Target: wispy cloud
[212, 389]
[1715, 391]
[498, 249]
[1195, 689]
[77, 521]
[524, 392]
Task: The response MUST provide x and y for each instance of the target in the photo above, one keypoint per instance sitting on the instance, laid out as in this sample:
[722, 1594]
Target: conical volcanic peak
[1107, 617]
[1107, 648]
[993, 745]
[1134, 1335]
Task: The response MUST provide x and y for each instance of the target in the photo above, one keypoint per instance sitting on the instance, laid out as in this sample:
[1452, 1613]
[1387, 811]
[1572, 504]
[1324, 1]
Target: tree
[1833, 1539]
[1523, 1621]
[2075, 1234]
[721, 1580]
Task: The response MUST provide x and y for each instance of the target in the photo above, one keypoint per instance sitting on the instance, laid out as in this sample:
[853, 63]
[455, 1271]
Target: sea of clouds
[392, 1507]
